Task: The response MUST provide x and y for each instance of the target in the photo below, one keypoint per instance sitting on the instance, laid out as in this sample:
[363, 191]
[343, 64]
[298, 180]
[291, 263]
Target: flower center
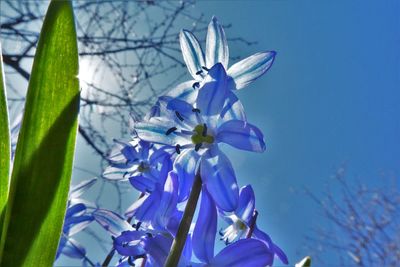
[236, 229]
[200, 135]
[143, 167]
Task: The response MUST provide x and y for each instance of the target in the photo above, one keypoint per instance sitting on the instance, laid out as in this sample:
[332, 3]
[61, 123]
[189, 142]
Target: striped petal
[192, 53]
[155, 131]
[185, 166]
[205, 228]
[219, 177]
[247, 202]
[249, 69]
[216, 45]
[111, 221]
[212, 93]
[241, 135]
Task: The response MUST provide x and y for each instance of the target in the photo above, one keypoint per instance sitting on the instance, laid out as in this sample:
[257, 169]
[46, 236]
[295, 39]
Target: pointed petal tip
[214, 19]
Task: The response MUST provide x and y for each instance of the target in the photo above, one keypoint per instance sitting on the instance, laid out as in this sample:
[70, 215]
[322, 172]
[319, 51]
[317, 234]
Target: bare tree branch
[361, 224]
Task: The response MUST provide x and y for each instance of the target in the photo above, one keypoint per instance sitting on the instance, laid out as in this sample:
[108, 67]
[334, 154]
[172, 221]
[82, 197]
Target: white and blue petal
[184, 91]
[76, 224]
[212, 93]
[216, 45]
[117, 173]
[73, 249]
[111, 221]
[245, 252]
[219, 177]
[75, 210]
[249, 69]
[80, 188]
[241, 135]
[168, 202]
[123, 154]
[205, 228]
[185, 166]
[233, 109]
[246, 205]
[145, 209]
[156, 130]
[192, 53]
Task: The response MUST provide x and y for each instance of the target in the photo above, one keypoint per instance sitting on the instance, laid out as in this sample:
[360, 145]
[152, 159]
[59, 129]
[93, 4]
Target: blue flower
[150, 241]
[144, 165]
[77, 218]
[244, 218]
[195, 132]
[239, 75]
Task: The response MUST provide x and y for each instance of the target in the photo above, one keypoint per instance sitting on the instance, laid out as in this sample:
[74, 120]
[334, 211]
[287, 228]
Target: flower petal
[205, 228]
[123, 154]
[168, 202]
[192, 53]
[187, 249]
[75, 210]
[74, 224]
[128, 243]
[143, 183]
[184, 91]
[219, 177]
[245, 252]
[73, 249]
[80, 188]
[216, 45]
[158, 248]
[148, 207]
[116, 173]
[161, 162]
[246, 203]
[111, 221]
[233, 109]
[260, 235]
[249, 69]
[241, 135]
[281, 255]
[155, 131]
[131, 210]
[185, 166]
[212, 93]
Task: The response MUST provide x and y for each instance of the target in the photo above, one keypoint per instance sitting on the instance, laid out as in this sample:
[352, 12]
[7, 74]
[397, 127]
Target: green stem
[184, 226]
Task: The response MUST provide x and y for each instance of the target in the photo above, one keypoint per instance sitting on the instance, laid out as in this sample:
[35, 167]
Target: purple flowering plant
[174, 159]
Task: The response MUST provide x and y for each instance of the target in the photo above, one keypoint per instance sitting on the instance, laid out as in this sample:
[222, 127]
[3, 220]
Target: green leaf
[45, 149]
[4, 146]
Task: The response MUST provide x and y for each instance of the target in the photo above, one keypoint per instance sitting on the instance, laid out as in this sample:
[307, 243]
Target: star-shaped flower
[195, 132]
[240, 74]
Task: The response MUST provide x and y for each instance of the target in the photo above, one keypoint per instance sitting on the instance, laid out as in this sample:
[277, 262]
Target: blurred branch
[362, 226]
[126, 50]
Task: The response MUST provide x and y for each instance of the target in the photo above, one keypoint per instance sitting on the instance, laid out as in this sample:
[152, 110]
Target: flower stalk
[252, 225]
[184, 226]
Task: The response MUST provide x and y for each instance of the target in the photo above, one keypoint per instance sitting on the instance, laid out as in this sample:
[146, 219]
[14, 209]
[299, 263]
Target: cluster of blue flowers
[178, 142]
